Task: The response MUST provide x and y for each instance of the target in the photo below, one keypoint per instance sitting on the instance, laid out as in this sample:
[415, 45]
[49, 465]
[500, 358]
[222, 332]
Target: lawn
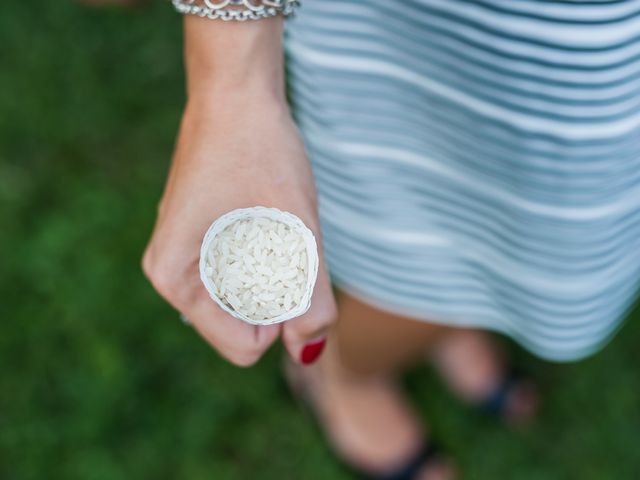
[99, 380]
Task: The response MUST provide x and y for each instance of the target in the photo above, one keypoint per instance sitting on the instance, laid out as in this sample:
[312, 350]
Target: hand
[241, 152]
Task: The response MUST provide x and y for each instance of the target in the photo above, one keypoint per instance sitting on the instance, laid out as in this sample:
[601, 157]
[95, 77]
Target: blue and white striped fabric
[478, 161]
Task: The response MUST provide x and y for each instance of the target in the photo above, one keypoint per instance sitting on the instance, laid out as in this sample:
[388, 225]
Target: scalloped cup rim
[288, 219]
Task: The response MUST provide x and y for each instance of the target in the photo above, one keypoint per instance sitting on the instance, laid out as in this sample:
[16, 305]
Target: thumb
[305, 336]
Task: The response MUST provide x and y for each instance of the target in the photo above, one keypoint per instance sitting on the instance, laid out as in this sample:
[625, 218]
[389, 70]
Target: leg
[371, 341]
[475, 369]
[352, 388]
[470, 362]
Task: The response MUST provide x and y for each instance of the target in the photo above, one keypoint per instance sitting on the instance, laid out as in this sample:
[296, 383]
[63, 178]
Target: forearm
[237, 147]
[230, 59]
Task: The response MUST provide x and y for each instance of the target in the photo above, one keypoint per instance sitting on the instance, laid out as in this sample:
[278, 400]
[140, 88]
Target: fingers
[173, 273]
[305, 336]
[240, 343]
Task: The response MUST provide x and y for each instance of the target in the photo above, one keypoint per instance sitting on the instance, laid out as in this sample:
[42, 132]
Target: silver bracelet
[224, 9]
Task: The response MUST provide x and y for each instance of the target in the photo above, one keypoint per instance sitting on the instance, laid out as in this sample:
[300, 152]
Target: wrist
[225, 58]
[217, 106]
[216, 92]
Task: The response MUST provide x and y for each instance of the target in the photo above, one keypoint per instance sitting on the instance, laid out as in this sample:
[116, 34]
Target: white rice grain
[258, 267]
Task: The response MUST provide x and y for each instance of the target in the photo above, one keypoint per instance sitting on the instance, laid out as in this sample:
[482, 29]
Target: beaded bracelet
[228, 9]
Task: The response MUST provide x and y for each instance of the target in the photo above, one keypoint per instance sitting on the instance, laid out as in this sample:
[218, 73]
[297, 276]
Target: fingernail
[312, 350]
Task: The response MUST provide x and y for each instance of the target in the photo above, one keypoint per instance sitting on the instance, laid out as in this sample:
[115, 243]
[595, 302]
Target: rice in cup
[260, 264]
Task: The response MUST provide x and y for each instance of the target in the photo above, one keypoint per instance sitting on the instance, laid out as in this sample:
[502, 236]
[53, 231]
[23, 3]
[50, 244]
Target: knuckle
[243, 359]
[312, 327]
[327, 317]
[162, 276]
[147, 263]
[162, 281]
[244, 354]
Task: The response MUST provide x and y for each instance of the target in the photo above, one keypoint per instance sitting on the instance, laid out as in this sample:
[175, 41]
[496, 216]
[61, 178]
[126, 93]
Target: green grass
[99, 379]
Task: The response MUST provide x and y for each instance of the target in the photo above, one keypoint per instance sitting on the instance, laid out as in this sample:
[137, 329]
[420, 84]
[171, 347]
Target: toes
[523, 403]
[438, 469]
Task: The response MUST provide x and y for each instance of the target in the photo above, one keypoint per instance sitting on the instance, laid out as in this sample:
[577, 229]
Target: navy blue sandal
[497, 403]
[428, 454]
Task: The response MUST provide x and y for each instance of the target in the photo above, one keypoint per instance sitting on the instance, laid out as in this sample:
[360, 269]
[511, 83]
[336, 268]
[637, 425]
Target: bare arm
[237, 147]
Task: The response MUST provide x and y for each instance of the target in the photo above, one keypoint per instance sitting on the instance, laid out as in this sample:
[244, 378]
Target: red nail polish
[312, 350]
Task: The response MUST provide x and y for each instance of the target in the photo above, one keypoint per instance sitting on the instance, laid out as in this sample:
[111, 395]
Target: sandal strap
[496, 403]
[427, 454]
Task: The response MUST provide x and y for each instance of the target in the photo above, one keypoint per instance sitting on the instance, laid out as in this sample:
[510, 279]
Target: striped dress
[478, 161]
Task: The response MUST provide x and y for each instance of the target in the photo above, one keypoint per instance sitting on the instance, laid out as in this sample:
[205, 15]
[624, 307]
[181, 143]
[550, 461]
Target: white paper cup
[292, 222]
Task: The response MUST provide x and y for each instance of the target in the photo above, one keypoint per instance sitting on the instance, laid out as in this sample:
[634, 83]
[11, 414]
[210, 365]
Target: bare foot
[474, 368]
[367, 420]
